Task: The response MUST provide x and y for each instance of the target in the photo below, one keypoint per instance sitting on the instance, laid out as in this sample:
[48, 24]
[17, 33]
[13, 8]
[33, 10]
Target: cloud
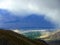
[49, 8]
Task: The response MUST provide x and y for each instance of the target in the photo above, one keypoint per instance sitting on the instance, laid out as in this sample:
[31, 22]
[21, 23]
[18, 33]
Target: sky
[50, 9]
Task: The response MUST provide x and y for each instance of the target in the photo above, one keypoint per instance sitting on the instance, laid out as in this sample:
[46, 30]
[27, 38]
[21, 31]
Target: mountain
[51, 36]
[8, 37]
[55, 35]
[37, 22]
[9, 20]
[54, 38]
[34, 34]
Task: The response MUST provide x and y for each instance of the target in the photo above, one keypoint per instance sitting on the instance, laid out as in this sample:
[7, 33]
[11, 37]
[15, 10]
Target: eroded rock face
[8, 37]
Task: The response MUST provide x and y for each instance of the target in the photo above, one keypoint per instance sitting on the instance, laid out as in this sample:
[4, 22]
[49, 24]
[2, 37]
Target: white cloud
[49, 8]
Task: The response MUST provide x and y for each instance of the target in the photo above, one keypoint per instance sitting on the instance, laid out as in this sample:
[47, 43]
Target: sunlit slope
[34, 34]
[55, 35]
[43, 34]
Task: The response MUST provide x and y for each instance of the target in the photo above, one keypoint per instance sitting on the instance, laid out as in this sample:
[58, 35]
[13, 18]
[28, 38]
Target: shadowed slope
[8, 37]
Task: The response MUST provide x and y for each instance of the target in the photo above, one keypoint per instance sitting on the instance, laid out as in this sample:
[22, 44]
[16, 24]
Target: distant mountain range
[33, 21]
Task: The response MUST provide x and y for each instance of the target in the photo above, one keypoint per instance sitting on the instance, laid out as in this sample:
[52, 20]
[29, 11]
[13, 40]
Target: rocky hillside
[8, 37]
[55, 35]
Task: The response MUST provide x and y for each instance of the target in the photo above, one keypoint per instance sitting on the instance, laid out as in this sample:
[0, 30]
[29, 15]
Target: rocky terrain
[8, 37]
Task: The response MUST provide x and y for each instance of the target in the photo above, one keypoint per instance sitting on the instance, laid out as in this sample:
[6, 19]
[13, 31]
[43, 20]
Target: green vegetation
[32, 35]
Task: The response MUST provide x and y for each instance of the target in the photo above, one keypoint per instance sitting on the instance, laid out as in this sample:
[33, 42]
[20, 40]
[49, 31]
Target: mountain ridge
[33, 21]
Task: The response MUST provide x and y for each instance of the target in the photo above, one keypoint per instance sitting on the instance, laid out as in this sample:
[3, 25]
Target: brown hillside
[8, 37]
